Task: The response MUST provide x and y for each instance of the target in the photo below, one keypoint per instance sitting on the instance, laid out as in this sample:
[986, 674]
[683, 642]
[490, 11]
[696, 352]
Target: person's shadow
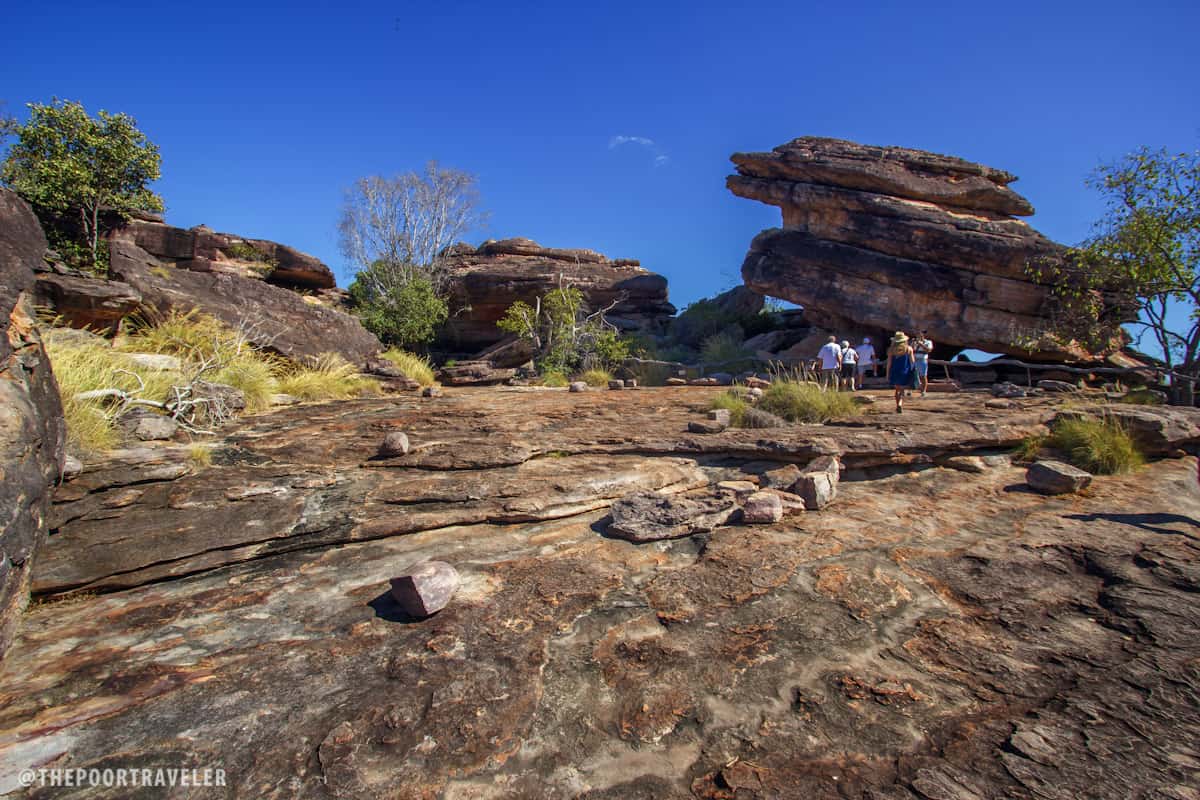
[386, 608]
[1146, 522]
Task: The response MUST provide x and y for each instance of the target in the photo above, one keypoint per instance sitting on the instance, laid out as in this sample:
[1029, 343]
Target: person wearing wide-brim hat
[901, 367]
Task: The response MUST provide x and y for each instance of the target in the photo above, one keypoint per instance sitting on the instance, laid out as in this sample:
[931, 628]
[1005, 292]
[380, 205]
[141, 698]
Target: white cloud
[660, 158]
[617, 141]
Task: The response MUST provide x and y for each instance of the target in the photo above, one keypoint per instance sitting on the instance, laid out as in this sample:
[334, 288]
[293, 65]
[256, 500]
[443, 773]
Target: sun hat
[899, 338]
[845, 343]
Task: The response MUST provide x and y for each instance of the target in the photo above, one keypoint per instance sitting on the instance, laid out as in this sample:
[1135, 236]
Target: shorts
[862, 368]
[848, 370]
[922, 367]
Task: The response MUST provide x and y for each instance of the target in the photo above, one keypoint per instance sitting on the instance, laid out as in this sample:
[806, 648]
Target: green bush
[735, 403]
[1100, 446]
[723, 348]
[555, 379]
[408, 315]
[806, 402]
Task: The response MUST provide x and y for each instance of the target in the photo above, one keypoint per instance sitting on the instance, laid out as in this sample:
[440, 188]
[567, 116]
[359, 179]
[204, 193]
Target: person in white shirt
[866, 359]
[830, 356]
[849, 366]
[922, 347]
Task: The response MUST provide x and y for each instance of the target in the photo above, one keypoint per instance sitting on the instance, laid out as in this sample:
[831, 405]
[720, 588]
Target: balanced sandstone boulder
[818, 482]
[891, 238]
[762, 508]
[32, 430]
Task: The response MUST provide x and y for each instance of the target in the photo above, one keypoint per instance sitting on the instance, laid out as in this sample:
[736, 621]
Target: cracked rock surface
[935, 633]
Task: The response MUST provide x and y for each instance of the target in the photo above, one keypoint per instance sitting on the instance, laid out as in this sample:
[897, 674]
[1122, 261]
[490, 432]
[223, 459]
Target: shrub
[409, 314]
[199, 456]
[806, 402]
[187, 335]
[735, 403]
[554, 379]
[254, 376]
[330, 377]
[412, 365]
[1029, 447]
[609, 348]
[596, 377]
[1101, 446]
[723, 347]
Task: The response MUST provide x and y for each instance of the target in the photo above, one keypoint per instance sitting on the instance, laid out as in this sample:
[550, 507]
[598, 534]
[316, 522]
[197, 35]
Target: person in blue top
[901, 368]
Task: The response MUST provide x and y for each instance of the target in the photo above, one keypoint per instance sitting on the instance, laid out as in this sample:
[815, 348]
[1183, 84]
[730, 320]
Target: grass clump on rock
[555, 379]
[735, 403]
[330, 377]
[1099, 445]
[412, 365]
[806, 402]
[596, 377]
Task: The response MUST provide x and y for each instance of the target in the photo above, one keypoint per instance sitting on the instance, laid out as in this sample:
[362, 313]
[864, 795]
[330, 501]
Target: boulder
[762, 508]
[578, 386]
[222, 399]
[974, 464]
[154, 427]
[32, 430]
[876, 234]
[394, 444]
[425, 589]
[84, 302]
[721, 415]
[649, 516]
[273, 317]
[484, 281]
[818, 482]
[616, 385]
[782, 478]
[1055, 477]
[474, 373]
[705, 426]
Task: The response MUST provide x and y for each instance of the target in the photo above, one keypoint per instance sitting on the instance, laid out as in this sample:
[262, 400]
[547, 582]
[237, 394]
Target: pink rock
[426, 589]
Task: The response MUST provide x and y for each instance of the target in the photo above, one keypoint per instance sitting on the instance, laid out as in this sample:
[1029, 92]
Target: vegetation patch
[596, 377]
[555, 379]
[330, 377]
[1101, 446]
[412, 365]
[735, 403]
[806, 402]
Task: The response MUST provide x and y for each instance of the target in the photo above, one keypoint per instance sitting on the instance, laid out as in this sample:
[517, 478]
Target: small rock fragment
[394, 444]
[431, 391]
[705, 426]
[762, 508]
[1055, 477]
[973, 464]
[755, 393]
[72, 466]
[616, 384]
[426, 589]
[578, 386]
[818, 482]
[676, 382]
[1000, 403]
[720, 415]
[1058, 387]
[153, 427]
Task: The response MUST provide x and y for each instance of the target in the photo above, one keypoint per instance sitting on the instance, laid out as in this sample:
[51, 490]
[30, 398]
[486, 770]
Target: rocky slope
[889, 238]
[32, 433]
[936, 632]
[486, 280]
[285, 299]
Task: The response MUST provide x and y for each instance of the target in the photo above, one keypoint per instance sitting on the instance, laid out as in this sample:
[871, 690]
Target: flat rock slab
[648, 516]
[1055, 477]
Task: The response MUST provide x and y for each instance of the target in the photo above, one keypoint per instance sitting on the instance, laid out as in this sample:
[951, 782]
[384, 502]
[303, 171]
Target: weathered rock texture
[275, 317]
[934, 634]
[285, 300]
[32, 433]
[488, 279]
[898, 239]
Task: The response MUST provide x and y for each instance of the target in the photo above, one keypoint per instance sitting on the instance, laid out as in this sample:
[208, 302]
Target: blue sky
[265, 114]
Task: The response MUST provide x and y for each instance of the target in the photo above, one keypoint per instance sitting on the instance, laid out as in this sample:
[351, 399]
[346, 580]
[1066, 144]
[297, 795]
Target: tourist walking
[866, 360]
[830, 356]
[901, 368]
[922, 347]
[849, 366]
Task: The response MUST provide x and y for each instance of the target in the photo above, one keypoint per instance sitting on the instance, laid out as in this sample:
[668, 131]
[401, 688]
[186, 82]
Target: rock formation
[32, 432]
[285, 300]
[485, 281]
[890, 238]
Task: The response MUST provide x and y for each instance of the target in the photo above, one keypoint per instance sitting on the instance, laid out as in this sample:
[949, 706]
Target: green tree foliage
[1142, 263]
[564, 336]
[74, 168]
[407, 314]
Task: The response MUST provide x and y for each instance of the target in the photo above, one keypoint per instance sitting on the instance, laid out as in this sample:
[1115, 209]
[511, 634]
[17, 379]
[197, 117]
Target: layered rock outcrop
[32, 431]
[890, 238]
[485, 281]
[287, 301]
